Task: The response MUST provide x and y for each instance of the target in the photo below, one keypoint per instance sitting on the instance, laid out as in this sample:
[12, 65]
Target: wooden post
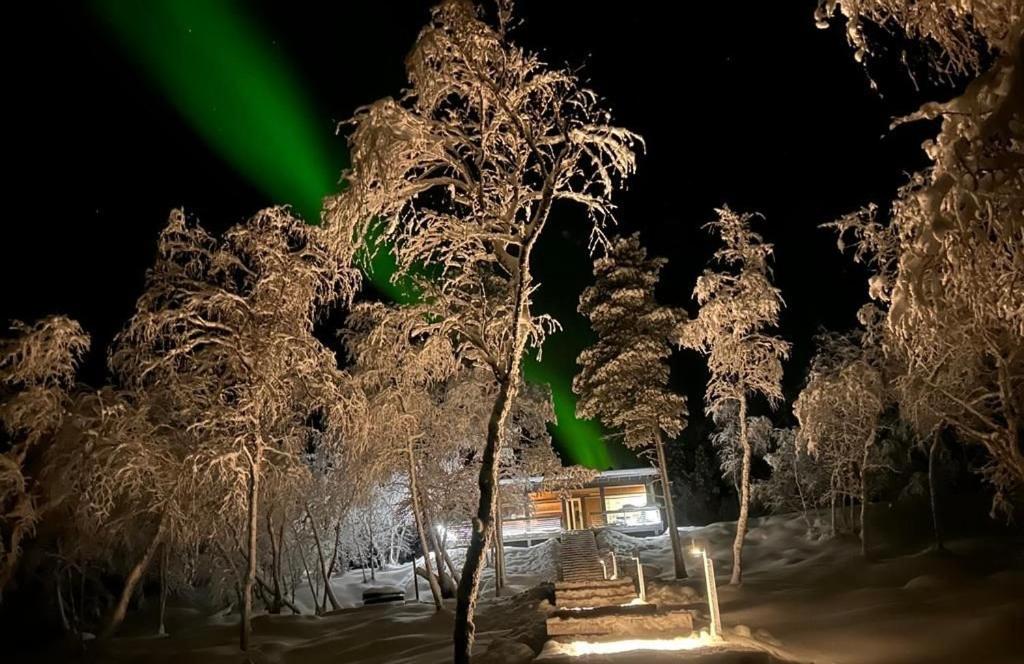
[709, 576]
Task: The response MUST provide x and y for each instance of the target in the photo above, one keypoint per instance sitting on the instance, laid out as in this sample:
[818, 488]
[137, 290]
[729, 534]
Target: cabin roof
[616, 476]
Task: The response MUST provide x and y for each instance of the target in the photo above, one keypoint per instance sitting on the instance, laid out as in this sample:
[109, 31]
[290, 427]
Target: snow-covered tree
[797, 483]
[462, 172]
[224, 334]
[398, 361]
[948, 265]
[120, 472]
[726, 440]
[37, 373]
[623, 379]
[838, 411]
[738, 305]
[962, 33]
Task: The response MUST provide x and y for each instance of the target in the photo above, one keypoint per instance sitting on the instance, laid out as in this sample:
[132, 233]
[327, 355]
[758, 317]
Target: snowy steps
[634, 620]
[589, 594]
[579, 559]
[587, 604]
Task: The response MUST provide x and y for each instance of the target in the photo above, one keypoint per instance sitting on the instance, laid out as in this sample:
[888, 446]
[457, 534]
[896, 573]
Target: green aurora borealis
[225, 76]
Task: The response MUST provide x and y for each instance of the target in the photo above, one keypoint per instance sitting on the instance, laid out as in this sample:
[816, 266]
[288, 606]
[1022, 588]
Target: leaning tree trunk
[448, 560]
[933, 451]
[741, 522]
[417, 513]
[483, 522]
[131, 582]
[670, 511]
[445, 580]
[328, 590]
[864, 495]
[250, 576]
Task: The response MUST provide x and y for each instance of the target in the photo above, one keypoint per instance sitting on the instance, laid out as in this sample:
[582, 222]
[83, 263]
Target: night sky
[740, 103]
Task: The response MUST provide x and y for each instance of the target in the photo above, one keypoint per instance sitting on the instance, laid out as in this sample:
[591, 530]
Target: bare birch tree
[37, 372]
[463, 171]
[623, 379]
[737, 306]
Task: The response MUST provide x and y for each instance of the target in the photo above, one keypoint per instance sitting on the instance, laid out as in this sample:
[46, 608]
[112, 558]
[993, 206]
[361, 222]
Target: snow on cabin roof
[623, 473]
[603, 477]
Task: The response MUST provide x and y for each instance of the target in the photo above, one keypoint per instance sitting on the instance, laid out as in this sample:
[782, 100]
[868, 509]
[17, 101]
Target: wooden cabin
[619, 499]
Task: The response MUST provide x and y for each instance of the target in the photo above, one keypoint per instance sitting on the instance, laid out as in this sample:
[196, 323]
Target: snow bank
[803, 600]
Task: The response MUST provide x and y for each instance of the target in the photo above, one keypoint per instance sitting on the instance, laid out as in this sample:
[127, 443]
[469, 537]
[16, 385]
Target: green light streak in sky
[579, 441]
[226, 78]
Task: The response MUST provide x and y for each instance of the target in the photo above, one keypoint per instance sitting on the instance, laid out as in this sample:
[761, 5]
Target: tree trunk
[65, 623]
[799, 488]
[508, 384]
[670, 512]
[448, 559]
[328, 591]
[499, 547]
[933, 493]
[446, 582]
[131, 582]
[417, 513]
[741, 522]
[162, 630]
[276, 603]
[483, 522]
[864, 495]
[253, 527]
[832, 503]
[314, 591]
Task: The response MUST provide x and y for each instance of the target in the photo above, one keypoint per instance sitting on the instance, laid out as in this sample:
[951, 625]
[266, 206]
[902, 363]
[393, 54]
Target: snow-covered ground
[804, 600]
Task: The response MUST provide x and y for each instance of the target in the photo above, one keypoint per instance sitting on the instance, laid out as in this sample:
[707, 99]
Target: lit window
[628, 501]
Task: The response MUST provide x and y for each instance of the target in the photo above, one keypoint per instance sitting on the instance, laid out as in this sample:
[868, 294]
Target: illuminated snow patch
[580, 648]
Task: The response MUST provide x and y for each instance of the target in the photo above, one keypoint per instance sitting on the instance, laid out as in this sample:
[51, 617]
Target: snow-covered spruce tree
[838, 411]
[950, 259]
[224, 331]
[738, 304]
[623, 379]
[37, 372]
[463, 171]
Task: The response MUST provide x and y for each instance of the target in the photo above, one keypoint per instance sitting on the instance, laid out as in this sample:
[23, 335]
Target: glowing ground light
[581, 648]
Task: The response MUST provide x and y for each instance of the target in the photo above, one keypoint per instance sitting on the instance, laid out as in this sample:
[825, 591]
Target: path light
[699, 548]
[583, 648]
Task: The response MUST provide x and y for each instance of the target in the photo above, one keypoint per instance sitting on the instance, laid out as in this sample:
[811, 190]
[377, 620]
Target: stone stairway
[579, 560]
[588, 605]
[589, 594]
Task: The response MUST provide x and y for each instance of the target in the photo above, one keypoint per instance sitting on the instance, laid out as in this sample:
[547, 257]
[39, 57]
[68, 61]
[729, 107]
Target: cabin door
[574, 514]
